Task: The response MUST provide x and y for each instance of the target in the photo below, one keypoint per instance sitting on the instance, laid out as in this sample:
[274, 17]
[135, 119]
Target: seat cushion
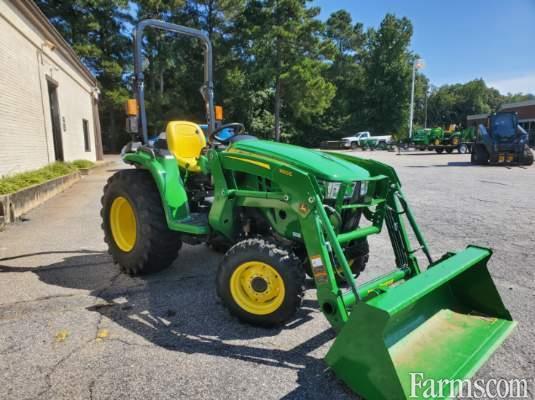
[185, 141]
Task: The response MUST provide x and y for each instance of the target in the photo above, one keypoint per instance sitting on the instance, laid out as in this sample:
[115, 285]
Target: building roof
[524, 103]
[39, 20]
[476, 116]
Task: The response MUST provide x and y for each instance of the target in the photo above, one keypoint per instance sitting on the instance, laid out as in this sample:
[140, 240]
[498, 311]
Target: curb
[97, 166]
[13, 205]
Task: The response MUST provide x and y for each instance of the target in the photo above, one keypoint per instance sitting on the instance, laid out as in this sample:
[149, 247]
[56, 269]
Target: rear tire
[479, 155]
[463, 148]
[354, 146]
[261, 283]
[449, 150]
[150, 245]
[439, 150]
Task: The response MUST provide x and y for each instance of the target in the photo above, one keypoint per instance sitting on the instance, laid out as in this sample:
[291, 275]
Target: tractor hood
[322, 165]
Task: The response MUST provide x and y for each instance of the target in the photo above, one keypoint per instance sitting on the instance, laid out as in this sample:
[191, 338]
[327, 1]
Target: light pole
[425, 107]
[417, 64]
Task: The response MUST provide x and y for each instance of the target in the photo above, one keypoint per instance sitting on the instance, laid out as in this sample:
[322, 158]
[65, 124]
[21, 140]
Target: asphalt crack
[39, 299]
[54, 368]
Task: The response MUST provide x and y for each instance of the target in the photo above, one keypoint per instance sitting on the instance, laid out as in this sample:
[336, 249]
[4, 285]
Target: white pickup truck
[359, 138]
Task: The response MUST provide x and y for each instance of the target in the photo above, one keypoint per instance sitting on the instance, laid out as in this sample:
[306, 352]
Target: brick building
[526, 114]
[48, 98]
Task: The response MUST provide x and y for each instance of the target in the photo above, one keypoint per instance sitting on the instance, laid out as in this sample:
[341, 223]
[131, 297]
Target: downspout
[39, 72]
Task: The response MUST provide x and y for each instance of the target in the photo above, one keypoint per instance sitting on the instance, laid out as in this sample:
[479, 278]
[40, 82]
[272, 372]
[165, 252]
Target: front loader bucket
[441, 324]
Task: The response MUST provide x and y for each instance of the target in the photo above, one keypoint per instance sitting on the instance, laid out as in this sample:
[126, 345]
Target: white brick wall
[25, 125]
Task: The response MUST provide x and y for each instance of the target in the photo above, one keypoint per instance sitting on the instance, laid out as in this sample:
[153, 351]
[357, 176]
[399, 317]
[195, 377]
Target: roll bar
[207, 90]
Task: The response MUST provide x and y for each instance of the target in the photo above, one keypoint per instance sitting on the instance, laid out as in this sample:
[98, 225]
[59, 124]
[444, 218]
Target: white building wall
[26, 140]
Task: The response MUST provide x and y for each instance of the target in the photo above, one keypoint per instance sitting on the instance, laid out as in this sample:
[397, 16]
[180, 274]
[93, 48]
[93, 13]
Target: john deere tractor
[427, 138]
[280, 211]
[502, 141]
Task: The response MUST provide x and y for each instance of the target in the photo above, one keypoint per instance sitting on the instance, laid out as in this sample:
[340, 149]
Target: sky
[461, 40]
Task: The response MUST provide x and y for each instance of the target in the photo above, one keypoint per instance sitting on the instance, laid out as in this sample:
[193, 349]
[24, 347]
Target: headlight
[363, 188]
[333, 188]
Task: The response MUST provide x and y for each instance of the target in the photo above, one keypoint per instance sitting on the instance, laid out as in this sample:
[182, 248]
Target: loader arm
[485, 138]
[380, 324]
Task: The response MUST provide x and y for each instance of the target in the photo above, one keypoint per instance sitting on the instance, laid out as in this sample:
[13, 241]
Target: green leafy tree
[277, 68]
[451, 104]
[344, 49]
[281, 48]
[387, 66]
[421, 97]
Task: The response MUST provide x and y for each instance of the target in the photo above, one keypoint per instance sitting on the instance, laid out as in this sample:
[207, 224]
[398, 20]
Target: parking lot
[73, 327]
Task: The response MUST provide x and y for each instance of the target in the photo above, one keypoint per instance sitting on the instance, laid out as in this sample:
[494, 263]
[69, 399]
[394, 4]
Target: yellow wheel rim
[123, 224]
[257, 288]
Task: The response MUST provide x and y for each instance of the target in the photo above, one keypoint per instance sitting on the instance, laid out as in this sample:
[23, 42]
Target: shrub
[10, 184]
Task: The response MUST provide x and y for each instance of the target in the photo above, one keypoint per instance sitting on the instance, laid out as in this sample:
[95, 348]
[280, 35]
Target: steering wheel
[238, 128]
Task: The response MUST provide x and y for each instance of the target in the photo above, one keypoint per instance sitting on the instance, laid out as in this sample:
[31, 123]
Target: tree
[282, 51]
[387, 66]
[451, 104]
[277, 68]
[344, 49]
[421, 93]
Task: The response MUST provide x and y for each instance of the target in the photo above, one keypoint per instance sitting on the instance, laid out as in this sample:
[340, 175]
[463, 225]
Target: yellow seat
[185, 141]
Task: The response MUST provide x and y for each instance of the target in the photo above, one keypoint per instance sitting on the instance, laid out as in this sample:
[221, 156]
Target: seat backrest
[185, 140]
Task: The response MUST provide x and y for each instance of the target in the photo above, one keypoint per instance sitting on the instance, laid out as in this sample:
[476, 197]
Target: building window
[87, 142]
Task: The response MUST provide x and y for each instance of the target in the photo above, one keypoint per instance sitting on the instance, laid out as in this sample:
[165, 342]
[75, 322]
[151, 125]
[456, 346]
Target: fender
[165, 172]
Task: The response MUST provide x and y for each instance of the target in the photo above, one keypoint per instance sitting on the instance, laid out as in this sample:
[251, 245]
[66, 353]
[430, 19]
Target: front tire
[527, 158]
[260, 283]
[463, 148]
[134, 224]
[440, 150]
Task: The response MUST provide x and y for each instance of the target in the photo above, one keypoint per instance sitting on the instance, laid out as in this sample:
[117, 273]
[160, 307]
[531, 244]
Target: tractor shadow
[410, 153]
[449, 164]
[469, 164]
[178, 309]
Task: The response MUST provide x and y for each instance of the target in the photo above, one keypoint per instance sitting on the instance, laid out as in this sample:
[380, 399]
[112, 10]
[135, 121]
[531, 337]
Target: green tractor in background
[454, 138]
[426, 138]
[279, 211]
[444, 140]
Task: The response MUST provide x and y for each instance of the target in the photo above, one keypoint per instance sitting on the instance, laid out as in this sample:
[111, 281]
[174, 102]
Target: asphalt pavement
[73, 327]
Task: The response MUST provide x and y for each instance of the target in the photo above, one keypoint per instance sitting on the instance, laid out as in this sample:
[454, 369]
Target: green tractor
[427, 138]
[280, 211]
[444, 140]
[454, 139]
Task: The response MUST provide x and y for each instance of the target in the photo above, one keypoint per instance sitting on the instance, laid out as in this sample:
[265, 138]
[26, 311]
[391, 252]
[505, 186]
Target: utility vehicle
[279, 211]
[367, 140]
[502, 141]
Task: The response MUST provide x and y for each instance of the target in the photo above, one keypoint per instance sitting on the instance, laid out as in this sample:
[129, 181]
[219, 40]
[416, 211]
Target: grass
[83, 164]
[13, 183]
